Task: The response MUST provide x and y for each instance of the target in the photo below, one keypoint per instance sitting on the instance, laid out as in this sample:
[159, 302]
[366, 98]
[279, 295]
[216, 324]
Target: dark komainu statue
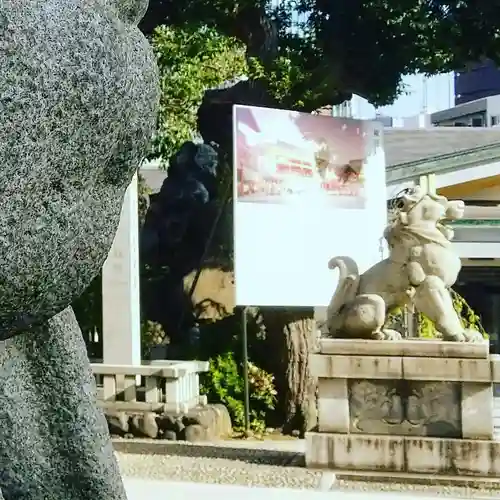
[174, 237]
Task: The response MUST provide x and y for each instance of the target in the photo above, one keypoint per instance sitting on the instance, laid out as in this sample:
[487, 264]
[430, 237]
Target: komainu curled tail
[352, 314]
[345, 292]
[348, 284]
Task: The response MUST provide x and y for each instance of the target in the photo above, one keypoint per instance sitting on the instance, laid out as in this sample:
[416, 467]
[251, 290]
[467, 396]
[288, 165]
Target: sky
[439, 95]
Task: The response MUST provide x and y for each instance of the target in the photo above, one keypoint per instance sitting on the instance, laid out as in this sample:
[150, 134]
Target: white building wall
[423, 120]
[362, 109]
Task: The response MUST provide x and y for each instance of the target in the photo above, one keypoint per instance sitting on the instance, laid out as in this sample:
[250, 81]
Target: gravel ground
[253, 467]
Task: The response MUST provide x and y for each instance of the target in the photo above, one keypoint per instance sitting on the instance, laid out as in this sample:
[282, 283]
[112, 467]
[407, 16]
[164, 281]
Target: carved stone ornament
[419, 271]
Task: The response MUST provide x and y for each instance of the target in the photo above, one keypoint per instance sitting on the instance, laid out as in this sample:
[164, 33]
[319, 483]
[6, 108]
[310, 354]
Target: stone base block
[415, 455]
[203, 423]
[416, 348]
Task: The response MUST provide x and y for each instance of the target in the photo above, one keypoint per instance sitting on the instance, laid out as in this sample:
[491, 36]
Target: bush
[427, 329]
[224, 384]
[469, 319]
[152, 334]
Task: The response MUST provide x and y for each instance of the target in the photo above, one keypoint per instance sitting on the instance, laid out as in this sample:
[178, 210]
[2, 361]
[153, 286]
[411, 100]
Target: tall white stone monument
[120, 289]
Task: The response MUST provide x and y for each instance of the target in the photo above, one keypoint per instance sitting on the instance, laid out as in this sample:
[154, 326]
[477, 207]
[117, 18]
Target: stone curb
[475, 483]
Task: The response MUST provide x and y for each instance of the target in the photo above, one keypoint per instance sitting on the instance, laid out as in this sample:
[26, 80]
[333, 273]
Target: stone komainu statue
[174, 236]
[419, 271]
[78, 100]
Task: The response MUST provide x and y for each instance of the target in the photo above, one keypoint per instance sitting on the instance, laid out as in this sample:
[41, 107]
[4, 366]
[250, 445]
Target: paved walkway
[250, 466]
[139, 489]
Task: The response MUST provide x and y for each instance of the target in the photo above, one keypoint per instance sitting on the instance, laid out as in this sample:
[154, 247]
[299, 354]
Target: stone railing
[411, 406]
[164, 386]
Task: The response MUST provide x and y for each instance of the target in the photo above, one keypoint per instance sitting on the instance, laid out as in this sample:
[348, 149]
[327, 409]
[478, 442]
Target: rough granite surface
[78, 94]
[78, 99]
[54, 444]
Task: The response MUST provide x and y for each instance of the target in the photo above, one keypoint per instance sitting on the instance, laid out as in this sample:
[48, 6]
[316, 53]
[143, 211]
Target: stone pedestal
[412, 406]
[120, 289]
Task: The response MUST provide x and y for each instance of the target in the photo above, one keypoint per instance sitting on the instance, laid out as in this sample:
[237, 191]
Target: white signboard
[307, 188]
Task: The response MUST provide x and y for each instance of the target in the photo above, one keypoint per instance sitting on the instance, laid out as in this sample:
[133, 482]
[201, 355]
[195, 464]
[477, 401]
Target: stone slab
[414, 455]
[121, 318]
[409, 368]
[477, 411]
[355, 452]
[414, 348]
[463, 457]
[333, 405]
[495, 369]
[165, 368]
[330, 366]
[451, 370]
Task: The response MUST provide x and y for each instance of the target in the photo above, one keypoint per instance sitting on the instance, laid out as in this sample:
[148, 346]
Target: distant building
[342, 110]
[360, 110]
[477, 82]
[358, 107]
[484, 112]
[422, 120]
[386, 121]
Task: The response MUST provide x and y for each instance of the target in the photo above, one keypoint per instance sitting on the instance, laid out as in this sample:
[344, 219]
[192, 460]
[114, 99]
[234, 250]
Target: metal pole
[246, 390]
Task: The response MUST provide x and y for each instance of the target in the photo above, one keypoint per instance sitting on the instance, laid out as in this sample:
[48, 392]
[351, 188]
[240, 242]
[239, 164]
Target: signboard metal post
[246, 390]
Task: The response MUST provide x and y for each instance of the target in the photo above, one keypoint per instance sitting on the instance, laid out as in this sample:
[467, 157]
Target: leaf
[191, 60]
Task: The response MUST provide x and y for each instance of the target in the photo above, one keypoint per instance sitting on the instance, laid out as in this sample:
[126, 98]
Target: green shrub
[224, 384]
[427, 329]
[467, 315]
[469, 319]
[152, 334]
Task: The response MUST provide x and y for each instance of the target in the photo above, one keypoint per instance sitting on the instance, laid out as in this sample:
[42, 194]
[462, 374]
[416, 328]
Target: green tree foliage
[366, 46]
[330, 49]
[245, 20]
[191, 60]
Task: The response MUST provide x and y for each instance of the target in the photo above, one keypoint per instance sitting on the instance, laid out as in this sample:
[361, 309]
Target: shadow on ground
[247, 455]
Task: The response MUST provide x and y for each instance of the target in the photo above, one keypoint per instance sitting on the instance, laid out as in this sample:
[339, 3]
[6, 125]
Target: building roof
[412, 145]
[466, 109]
[460, 110]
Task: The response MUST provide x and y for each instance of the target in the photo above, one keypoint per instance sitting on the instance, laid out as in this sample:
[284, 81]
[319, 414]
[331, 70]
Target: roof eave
[443, 164]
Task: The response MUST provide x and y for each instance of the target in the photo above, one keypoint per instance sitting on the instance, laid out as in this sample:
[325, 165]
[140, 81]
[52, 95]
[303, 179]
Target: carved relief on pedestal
[405, 407]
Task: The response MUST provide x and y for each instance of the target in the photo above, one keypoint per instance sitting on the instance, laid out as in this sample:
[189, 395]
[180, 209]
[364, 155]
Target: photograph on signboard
[285, 157]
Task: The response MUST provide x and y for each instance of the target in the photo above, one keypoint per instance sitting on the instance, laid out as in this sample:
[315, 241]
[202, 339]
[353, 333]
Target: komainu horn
[419, 271]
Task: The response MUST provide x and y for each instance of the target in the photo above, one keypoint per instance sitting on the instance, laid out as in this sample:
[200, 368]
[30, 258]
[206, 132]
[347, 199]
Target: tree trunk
[291, 335]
